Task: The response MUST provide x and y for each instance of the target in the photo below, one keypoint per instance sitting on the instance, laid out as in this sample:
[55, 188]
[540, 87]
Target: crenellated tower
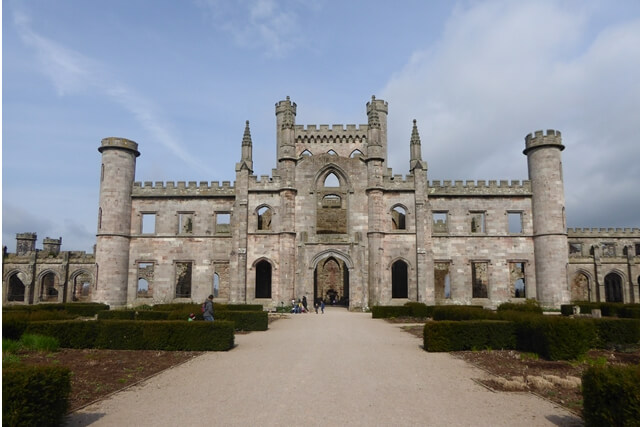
[114, 219]
[544, 162]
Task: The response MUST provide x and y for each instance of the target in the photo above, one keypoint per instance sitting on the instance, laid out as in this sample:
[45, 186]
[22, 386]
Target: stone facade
[332, 221]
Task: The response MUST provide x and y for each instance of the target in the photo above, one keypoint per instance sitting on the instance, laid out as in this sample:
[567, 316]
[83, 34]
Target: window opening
[183, 279]
[216, 285]
[477, 222]
[185, 223]
[355, 153]
[399, 280]
[479, 280]
[306, 153]
[223, 223]
[264, 218]
[442, 280]
[515, 222]
[145, 279]
[332, 153]
[331, 180]
[517, 280]
[613, 287]
[398, 217]
[263, 279]
[48, 291]
[575, 249]
[440, 222]
[148, 223]
[608, 250]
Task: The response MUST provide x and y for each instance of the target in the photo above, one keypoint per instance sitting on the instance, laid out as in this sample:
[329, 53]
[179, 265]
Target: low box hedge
[15, 322]
[420, 309]
[86, 309]
[389, 311]
[607, 309]
[245, 320]
[241, 307]
[117, 314]
[462, 312]
[35, 395]
[135, 335]
[527, 306]
[469, 335]
[611, 396]
[611, 332]
[555, 338]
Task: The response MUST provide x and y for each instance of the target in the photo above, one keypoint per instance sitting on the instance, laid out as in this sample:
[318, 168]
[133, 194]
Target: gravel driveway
[332, 369]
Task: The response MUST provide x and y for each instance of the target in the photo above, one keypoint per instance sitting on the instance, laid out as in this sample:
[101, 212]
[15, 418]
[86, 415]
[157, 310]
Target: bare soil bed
[558, 381]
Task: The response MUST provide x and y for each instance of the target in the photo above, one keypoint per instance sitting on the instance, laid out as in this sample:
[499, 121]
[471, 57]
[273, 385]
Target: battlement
[480, 188]
[264, 182]
[603, 232]
[540, 139]
[324, 134]
[398, 182]
[182, 188]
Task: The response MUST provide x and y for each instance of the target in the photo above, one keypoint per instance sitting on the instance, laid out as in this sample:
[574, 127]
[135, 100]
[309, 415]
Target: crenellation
[182, 188]
[603, 232]
[470, 187]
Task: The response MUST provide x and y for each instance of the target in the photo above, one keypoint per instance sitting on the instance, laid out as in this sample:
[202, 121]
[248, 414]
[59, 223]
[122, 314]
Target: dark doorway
[16, 289]
[331, 282]
[399, 280]
[263, 280]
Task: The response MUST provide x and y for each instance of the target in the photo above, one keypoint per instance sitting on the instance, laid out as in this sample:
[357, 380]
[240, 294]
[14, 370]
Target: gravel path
[331, 369]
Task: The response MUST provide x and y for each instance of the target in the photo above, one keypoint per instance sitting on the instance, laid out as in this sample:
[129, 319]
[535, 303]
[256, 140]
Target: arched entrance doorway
[331, 281]
[613, 287]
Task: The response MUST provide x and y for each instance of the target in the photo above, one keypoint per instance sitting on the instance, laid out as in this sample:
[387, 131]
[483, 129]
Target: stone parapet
[182, 188]
[480, 188]
[603, 232]
[399, 182]
[325, 134]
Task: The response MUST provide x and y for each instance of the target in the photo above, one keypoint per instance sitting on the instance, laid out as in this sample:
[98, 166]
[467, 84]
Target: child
[192, 317]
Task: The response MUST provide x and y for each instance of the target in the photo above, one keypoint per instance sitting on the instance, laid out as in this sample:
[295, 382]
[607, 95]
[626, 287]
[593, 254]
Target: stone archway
[613, 287]
[331, 278]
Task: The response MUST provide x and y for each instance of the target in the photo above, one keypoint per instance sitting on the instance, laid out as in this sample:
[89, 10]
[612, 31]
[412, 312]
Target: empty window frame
[332, 153]
[442, 280]
[399, 218]
[306, 153]
[514, 222]
[440, 222]
[477, 222]
[575, 249]
[517, 280]
[216, 285]
[480, 279]
[145, 279]
[183, 279]
[223, 223]
[637, 249]
[608, 250]
[148, 225]
[48, 291]
[264, 218]
[355, 152]
[185, 222]
[331, 180]
[16, 289]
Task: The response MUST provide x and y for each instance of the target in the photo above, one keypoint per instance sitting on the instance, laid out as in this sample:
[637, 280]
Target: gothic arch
[81, 289]
[264, 214]
[399, 214]
[400, 278]
[50, 280]
[613, 286]
[320, 256]
[264, 258]
[323, 172]
[16, 288]
[356, 152]
[263, 278]
[306, 153]
[579, 290]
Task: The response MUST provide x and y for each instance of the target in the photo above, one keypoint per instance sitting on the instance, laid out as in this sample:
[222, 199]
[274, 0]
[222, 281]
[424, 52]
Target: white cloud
[265, 25]
[504, 69]
[72, 72]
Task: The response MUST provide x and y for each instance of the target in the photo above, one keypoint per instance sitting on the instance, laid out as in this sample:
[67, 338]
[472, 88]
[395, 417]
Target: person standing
[322, 306]
[208, 309]
[304, 303]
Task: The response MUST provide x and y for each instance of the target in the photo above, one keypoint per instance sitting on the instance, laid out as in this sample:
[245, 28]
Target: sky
[181, 78]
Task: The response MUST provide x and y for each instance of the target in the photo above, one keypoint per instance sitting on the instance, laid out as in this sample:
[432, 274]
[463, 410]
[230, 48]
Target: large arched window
[263, 279]
[580, 287]
[355, 152]
[264, 218]
[398, 218]
[16, 289]
[48, 291]
[81, 286]
[399, 280]
[613, 287]
[331, 180]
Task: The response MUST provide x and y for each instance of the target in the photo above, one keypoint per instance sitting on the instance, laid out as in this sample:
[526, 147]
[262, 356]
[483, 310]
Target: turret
[114, 219]
[377, 111]
[544, 161]
[286, 120]
[51, 246]
[25, 242]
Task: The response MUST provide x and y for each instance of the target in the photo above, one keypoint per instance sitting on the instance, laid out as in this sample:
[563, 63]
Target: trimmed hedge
[245, 320]
[611, 396]
[420, 309]
[133, 335]
[241, 307]
[117, 314]
[613, 332]
[86, 309]
[528, 306]
[15, 322]
[35, 395]
[388, 311]
[555, 338]
[608, 309]
[462, 312]
[469, 335]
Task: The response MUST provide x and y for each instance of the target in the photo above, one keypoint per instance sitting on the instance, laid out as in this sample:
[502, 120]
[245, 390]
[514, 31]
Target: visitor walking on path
[322, 306]
[304, 303]
[208, 309]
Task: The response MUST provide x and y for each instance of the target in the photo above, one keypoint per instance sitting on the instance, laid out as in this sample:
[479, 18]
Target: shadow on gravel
[565, 420]
[82, 419]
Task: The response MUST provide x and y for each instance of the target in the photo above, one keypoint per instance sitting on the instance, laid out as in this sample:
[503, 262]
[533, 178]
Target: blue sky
[181, 77]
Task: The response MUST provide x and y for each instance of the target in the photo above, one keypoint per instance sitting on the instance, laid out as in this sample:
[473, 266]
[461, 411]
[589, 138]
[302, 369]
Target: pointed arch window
[355, 153]
[216, 285]
[398, 218]
[306, 153]
[264, 218]
[48, 291]
[16, 289]
[332, 153]
[613, 287]
[331, 180]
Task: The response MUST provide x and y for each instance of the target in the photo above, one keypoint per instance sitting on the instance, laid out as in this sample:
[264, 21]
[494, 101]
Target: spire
[374, 119]
[246, 138]
[246, 160]
[416, 149]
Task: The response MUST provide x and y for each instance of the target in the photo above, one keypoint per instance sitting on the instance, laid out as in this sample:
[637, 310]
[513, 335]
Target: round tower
[544, 162]
[114, 219]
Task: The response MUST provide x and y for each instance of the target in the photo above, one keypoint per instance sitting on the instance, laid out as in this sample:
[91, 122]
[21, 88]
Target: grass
[28, 342]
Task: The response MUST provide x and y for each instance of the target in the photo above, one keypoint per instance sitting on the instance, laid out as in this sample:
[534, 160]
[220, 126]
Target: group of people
[301, 306]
